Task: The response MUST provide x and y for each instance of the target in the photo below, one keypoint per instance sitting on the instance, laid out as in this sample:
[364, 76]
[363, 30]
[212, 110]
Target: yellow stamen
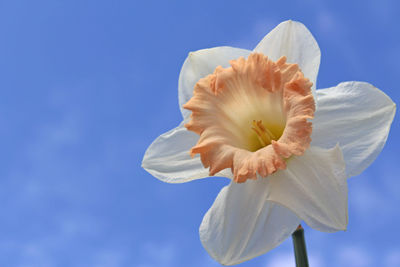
[263, 134]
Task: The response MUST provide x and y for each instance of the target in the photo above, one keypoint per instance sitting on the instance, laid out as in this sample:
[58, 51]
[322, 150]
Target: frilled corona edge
[227, 104]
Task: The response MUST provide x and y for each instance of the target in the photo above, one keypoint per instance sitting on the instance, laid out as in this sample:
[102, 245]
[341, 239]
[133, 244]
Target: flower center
[264, 135]
[251, 116]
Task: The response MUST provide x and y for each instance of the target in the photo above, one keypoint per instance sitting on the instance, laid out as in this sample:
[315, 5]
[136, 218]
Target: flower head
[287, 147]
[251, 116]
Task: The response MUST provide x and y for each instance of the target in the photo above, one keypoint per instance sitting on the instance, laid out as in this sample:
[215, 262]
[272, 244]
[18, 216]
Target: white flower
[247, 132]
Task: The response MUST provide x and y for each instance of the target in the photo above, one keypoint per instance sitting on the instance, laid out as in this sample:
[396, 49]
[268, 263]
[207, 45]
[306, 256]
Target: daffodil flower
[256, 118]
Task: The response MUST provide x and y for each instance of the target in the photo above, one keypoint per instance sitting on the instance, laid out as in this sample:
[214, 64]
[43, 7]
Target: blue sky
[86, 86]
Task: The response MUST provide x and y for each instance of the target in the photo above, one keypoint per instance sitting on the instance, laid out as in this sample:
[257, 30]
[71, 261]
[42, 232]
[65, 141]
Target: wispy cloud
[158, 254]
[282, 260]
[287, 260]
[392, 258]
[255, 34]
[109, 258]
[334, 31]
[353, 256]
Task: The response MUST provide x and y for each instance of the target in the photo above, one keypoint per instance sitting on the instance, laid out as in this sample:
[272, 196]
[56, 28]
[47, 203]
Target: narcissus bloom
[256, 118]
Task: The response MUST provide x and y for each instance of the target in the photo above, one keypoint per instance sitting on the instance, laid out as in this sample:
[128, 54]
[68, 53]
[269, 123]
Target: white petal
[242, 225]
[249, 219]
[200, 64]
[358, 117]
[314, 187]
[293, 40]
[168, 159]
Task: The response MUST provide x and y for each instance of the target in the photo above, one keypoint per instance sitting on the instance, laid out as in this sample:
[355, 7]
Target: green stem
[299, 244]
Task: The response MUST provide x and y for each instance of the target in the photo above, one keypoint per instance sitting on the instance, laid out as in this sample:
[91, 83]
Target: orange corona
[251, 116]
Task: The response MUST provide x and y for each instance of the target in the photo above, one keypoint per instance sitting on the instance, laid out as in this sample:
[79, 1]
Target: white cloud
[282, 260]
[326, 22]
[207, 261]
[333, 30]
[158, 255]
[109, 258]
[287, 259]
[316, 261]
[353, 256]
[251, 38]
[392, 258]
[366, 199]
[371, 199]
